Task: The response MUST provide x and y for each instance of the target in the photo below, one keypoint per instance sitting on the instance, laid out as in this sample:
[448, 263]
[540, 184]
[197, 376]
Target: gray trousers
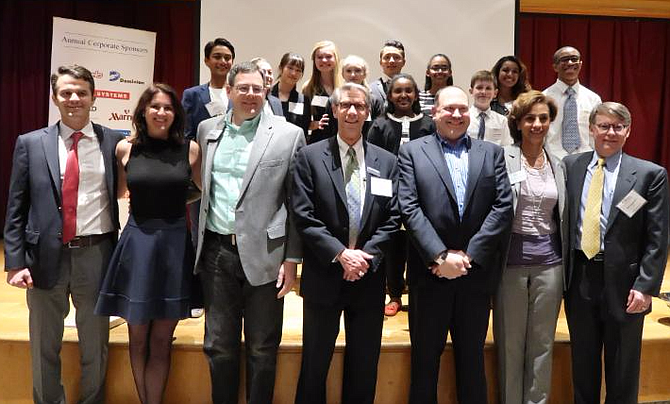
[81, 272]
[524, 326]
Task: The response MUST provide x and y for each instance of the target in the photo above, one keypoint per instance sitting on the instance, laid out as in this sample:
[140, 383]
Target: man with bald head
[569, 132]
[456, 202]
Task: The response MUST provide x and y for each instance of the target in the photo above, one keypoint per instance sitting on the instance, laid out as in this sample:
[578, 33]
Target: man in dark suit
[60, 230]
[456, 203]
[344, 201]
[618, 212]
[391, 60]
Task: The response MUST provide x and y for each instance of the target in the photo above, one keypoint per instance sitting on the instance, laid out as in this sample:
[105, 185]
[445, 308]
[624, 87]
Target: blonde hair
[313, 85]
[356, 60]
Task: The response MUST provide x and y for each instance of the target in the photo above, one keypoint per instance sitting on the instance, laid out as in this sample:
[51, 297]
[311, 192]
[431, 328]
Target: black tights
[150, 348]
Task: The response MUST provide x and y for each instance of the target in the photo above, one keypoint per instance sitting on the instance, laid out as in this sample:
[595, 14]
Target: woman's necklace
[536, 197]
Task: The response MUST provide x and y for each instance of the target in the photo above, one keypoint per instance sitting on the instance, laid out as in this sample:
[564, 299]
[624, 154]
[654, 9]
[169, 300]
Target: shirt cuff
[294, 260]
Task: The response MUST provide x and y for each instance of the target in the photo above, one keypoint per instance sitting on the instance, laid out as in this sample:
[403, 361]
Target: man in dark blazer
[344, 201]
[618, 239]
[58, 255]
[456, 204]
[391, 60]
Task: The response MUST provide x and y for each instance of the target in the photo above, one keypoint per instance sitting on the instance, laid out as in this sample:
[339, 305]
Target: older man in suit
[248, 247]
[61, 227]
[345, 206]
[456, 203]
[618, 240]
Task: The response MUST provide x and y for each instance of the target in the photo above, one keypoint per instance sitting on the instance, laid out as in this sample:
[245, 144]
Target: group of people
[356, 182]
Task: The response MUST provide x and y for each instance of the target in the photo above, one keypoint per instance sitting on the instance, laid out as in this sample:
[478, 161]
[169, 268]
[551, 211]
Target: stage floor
[189, 379]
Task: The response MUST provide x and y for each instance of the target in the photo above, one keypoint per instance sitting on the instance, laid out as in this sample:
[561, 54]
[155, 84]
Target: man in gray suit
[618, 240]
[248, 247]
[61, 227]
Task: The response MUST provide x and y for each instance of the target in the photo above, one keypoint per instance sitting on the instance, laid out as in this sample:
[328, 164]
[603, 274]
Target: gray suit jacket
[265, 232]
[514, 164]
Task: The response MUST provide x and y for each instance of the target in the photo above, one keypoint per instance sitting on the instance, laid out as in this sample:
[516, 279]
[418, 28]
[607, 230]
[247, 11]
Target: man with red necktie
[60, 230]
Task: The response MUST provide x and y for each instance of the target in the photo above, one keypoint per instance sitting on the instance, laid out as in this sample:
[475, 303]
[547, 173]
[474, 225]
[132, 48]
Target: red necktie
[70, 189]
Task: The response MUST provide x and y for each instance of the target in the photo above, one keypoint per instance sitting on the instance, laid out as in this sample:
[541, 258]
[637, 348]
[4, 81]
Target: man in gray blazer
[618, 240]
[248, 247]
[61, 227]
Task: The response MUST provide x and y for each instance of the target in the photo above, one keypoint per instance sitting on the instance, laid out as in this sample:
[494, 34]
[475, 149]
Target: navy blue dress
[150, 273]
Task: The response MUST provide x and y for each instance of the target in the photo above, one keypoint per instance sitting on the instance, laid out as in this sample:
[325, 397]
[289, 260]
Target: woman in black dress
[148, 281]
[403, 122]
[295, 105]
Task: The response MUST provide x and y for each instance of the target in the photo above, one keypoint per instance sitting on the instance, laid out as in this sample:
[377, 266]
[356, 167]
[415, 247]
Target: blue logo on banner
[114, 75]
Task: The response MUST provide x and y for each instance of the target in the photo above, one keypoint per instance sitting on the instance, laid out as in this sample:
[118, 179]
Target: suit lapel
[334, 167]
[108, 151]
[204, 95]
[475, 161]
[560, 180]
[433, 149]
[370, 162]
[513, 164]
[50, 144]
[262, 138]
[624, 183]
[576, 184]
[211, 142]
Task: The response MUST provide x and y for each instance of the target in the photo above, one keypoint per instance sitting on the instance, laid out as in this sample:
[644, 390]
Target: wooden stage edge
[189, 376]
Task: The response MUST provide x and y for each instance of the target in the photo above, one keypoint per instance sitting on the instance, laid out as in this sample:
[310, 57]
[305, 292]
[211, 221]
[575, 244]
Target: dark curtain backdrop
[625, 60]
[25, 56]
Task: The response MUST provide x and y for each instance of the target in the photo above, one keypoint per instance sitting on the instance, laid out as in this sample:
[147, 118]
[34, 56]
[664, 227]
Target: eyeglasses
[360, 107]
[571, 59]
[440, 68]
[618, 128]
[246, 89]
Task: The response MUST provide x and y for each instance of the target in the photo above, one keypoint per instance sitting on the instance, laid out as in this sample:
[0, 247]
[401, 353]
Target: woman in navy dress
[148, 281]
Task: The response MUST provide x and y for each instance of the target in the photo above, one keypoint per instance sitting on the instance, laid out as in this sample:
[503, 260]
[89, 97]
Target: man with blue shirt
[248, 246]
[618, 246]
[456, 202]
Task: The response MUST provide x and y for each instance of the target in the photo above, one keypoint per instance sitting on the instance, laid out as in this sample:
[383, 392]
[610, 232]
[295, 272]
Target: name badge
[215, 108]
[319, 101]
[517, 177]
[373, 171]
[631, 203]
[381, 187]
[296, 108]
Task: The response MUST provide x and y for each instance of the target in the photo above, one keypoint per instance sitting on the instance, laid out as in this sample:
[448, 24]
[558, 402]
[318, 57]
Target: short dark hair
[244, 67]
[416, 105]
[291, 59]
[76, 71]
[219, 42]
[522, 106]
[176, 132]
[393, 43]
[522, 85]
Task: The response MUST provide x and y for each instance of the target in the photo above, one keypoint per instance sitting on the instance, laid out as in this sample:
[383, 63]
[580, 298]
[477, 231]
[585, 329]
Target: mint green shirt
[228, 168]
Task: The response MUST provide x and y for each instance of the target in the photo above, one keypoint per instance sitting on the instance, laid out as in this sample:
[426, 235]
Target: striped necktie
[352, 179]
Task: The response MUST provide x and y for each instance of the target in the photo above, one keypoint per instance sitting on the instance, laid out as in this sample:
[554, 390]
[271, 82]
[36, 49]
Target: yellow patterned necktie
[591, 219]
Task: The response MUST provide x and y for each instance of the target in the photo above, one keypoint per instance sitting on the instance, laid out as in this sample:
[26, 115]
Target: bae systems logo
[114, 76]
[116, 95]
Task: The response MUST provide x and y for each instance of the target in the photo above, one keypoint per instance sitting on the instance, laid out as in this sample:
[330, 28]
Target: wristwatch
[441, 258]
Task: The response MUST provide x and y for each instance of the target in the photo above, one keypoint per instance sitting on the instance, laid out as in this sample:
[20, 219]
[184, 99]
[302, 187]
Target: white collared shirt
[360, 156]
[94, 213]
[496, 129]
[586, 101]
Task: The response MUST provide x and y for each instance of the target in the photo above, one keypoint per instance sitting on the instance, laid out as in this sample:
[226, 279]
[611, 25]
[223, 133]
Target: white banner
[121, 60]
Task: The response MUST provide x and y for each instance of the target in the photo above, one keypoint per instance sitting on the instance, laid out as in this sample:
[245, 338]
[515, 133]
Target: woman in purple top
[529, 296]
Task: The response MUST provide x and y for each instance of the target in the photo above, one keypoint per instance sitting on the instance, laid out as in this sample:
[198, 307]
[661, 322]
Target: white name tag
[215, 108]
[631, 203]
[381, 187]
[296, 108]
[517, 177]
[319, 100]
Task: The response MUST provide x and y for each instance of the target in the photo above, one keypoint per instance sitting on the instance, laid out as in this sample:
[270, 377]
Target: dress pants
[438, 306]
[524, 326]
[591, 329]
[394, 261]
[81, 272]
[362, 302]
[229, 297]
